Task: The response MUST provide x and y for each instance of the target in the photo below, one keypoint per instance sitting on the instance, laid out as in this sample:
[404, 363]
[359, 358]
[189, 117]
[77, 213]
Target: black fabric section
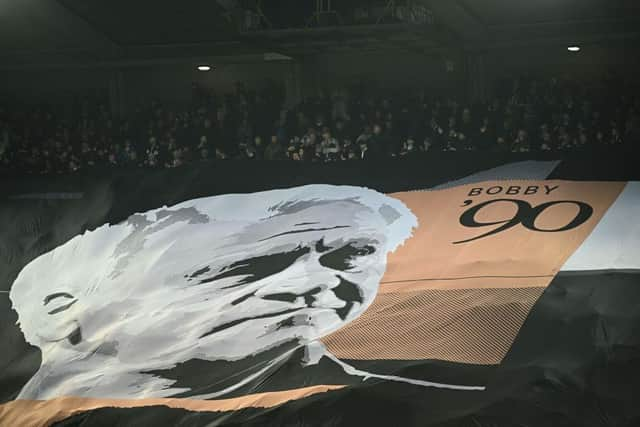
[203, 376]
[609, 165]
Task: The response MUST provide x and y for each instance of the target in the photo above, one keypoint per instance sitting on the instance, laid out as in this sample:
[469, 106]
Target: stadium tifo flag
[483, 302]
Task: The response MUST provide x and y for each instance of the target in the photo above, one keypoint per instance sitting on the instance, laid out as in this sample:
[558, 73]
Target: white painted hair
[399, 219]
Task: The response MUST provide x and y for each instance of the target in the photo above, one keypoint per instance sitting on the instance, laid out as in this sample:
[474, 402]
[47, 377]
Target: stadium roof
[119, 32]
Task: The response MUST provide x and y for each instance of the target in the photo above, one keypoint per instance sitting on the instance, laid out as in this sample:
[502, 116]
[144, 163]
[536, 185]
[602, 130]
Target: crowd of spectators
[526, 115]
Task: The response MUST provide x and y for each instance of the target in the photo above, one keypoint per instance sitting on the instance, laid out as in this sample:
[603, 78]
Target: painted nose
[345, 291]
[348, 292]
[290, 297]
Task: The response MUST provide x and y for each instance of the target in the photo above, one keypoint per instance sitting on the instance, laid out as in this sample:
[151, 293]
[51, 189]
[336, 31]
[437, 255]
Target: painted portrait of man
[236, 282]
[324, 303]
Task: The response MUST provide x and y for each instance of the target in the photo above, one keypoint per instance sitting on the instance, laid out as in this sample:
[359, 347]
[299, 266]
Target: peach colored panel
[32, 413]
[466, 302]
[516, 252]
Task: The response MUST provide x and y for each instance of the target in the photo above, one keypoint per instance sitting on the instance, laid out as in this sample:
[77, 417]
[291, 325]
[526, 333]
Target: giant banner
[508, 296]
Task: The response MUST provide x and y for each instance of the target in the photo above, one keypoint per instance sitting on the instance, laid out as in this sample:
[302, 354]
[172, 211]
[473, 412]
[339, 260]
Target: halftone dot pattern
[474, 326]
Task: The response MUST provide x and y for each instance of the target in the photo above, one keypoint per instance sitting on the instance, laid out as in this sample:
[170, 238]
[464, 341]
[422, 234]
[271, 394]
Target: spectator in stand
[365, 135]
[564, 139]
[600, 141]
[451, 139]
[310, 145]
[409, 148]
[501, 145]
[363, 151]
[466, 124]
[319, 123]
[632, 127]
[376, 146]
[615, 138]
[582, 141]
[292, 148]
[274, 151]
[247, 152]
[340, 132]
[302, 123]
[152, 153]
[391, 140]
[329, 146]
[258, 148]
[245, 130]
[546, 142]
[521, 143]
[485, 135]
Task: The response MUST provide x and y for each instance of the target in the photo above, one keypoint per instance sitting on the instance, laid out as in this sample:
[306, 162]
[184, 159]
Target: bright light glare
[573, 48]
[204, 68]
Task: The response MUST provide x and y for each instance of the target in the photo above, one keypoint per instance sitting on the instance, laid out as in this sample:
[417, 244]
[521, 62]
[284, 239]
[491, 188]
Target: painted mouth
[346, 291]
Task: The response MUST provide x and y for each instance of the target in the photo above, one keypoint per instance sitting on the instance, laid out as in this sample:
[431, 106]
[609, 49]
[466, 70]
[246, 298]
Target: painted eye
[364, 251]
[257, 268]
[340, 259]
[58, 302]
[56, 295]
[62, 307]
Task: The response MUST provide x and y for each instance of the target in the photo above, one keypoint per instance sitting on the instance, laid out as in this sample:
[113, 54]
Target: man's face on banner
[192, 282]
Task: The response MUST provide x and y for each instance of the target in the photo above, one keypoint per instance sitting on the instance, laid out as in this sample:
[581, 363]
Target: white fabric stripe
[527, 170]
[615, 241]
[353, 371]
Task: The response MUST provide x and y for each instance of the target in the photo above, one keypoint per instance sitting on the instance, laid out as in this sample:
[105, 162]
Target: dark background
[131, 51]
